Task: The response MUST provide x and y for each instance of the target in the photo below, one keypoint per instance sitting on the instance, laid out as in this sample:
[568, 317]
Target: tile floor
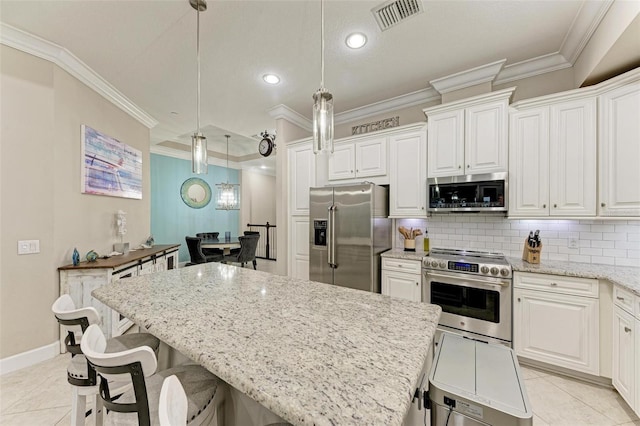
[41, 395]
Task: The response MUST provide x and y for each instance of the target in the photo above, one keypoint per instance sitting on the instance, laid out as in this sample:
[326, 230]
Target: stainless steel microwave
[469, 193]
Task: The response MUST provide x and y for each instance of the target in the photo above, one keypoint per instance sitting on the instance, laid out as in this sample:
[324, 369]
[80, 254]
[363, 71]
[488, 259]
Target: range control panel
[464, 267]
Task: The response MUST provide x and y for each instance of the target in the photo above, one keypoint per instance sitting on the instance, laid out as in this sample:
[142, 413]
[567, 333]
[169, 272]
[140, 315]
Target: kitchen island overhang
[312, 353]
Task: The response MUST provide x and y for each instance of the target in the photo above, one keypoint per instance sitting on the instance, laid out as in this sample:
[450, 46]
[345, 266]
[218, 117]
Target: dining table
[221, 243]
[309, 352]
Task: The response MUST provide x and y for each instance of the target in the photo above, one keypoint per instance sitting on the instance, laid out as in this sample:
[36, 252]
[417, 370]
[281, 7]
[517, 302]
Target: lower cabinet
[626, 346]
[299, 247]
[401, 278]
[556, 321]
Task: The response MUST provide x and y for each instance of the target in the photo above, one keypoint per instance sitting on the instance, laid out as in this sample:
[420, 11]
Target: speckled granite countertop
[624, 276]
[314, 354]
[399, 253]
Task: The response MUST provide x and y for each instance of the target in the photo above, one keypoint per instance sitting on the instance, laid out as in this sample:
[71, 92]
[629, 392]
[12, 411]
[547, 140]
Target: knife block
[531, 255]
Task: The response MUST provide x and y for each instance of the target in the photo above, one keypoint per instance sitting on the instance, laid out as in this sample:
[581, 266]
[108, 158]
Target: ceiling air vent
[393, 12]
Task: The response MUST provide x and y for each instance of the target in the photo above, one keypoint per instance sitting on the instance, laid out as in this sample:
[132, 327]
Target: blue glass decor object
[92, 256]
[75, 257]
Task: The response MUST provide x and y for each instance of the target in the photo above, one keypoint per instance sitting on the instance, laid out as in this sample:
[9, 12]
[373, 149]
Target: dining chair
[132, 375]
[235, 251]
[80, 374]
[213, 236]
[247, 253]
[195, 252]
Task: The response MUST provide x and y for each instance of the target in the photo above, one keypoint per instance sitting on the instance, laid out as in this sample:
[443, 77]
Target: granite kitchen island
[311, 353]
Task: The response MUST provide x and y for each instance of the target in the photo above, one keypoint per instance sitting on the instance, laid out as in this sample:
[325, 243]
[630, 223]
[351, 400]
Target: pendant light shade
[322, 104]
[199, 160]
[227, 194]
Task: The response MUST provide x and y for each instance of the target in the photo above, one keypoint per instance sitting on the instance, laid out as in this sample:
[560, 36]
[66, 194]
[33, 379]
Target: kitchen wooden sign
[386, 123]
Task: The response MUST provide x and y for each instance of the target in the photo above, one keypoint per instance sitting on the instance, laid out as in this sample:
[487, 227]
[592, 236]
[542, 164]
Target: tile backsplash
[610, 242]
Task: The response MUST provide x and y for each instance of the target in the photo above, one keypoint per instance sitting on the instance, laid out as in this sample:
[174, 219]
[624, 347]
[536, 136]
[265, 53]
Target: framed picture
[110, 167]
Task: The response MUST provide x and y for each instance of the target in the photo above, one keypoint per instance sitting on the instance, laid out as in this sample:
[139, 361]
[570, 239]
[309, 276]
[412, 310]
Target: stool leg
[78, 407]
[97, 409]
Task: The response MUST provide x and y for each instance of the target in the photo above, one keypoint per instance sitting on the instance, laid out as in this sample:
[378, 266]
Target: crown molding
[471, 77]
[532, 67]
[41, 48]
[584, 25]
[418, 97]
[283, 111]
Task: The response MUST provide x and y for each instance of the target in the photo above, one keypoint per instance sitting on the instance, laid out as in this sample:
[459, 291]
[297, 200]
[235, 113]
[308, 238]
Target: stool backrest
[173, 405]
[75, 321]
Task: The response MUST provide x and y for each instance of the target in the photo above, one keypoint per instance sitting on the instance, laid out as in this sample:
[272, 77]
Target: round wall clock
[266, 145]
[195, 192]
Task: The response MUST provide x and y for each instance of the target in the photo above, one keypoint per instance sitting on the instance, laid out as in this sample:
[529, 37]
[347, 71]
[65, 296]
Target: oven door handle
[456, 278]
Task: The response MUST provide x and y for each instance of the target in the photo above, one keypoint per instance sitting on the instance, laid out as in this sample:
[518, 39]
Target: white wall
[258, 199]
[610, 242]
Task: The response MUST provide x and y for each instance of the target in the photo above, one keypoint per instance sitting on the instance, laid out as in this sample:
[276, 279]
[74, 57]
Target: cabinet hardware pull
[619, 298]
[602, 204]
[553, 284]
[555, 206]
[459, 166]
[468, 166]
[351, 171]
[518, 299]
[544, 206]
[417, 284]
[627, 329]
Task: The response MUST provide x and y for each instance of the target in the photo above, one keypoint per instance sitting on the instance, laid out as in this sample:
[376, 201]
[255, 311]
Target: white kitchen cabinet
[556, 321]
[623, 369]
[552, 150]
[358, 159]
[469, 136]
[79, 281]
[619, 150]
[299, 247]
[407, 174]
[302, 176]
[401, 278]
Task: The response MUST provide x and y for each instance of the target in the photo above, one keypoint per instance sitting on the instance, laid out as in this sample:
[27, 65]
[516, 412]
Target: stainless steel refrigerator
[349, 228]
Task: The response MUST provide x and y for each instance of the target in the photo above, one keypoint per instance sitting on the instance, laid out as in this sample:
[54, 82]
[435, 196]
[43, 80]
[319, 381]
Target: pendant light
[199, 162]
[227, 194]
[322, 104]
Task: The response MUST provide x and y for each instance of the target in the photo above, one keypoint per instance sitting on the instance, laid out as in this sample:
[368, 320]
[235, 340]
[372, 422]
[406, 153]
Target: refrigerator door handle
[331, 236]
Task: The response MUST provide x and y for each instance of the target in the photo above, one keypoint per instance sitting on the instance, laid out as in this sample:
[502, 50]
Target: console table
[79, 281]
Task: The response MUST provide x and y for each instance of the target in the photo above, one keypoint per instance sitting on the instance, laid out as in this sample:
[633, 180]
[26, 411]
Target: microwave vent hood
[468, 193]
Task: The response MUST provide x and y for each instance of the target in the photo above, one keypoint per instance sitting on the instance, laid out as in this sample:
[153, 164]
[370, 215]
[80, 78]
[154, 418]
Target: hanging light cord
[227, 136]
[198, 59]
[321, 44]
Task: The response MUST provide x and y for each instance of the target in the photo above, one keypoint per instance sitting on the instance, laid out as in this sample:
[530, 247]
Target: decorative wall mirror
[195, 192]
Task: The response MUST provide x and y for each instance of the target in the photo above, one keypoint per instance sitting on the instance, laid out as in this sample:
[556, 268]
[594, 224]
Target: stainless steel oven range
[474, 290]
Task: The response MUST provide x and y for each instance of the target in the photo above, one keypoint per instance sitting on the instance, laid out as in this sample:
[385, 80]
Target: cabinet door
[302, 172]
[401, 285]
[557, 329]
[407, 177]
[636, 379]
[446, 144]
[623, 354]
[619, 153]
[572, 158]
[146, 267]
[342, 162]
[371, 157]
[485, 139]
[529, 163]
[299, 248]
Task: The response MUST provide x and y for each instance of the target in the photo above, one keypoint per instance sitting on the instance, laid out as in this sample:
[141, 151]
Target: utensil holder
[409, 245]
[531, 255]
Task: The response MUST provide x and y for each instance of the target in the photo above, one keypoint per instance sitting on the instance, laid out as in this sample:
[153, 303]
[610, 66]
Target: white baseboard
[29, 358]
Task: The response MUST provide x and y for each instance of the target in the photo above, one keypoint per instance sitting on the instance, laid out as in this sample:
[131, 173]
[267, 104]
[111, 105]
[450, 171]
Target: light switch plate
[28, 246]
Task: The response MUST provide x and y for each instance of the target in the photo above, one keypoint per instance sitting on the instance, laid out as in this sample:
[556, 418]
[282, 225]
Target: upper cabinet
[302, 176]
[469, 136]
[619, 153]
[552, 164]
[408, 174]
[358, 158]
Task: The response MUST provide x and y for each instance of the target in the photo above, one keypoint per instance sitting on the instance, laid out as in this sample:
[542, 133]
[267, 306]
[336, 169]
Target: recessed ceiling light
[356, 40]
[271, 78]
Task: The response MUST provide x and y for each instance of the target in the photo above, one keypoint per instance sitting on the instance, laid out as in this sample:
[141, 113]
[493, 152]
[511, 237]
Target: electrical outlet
[573, 243]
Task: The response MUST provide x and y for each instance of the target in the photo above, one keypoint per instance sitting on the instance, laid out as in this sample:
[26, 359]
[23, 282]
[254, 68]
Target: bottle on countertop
[425, 241]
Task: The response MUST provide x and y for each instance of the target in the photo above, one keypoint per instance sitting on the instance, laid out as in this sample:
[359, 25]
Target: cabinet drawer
[401, 265]
[624, 299]
[557, 284]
